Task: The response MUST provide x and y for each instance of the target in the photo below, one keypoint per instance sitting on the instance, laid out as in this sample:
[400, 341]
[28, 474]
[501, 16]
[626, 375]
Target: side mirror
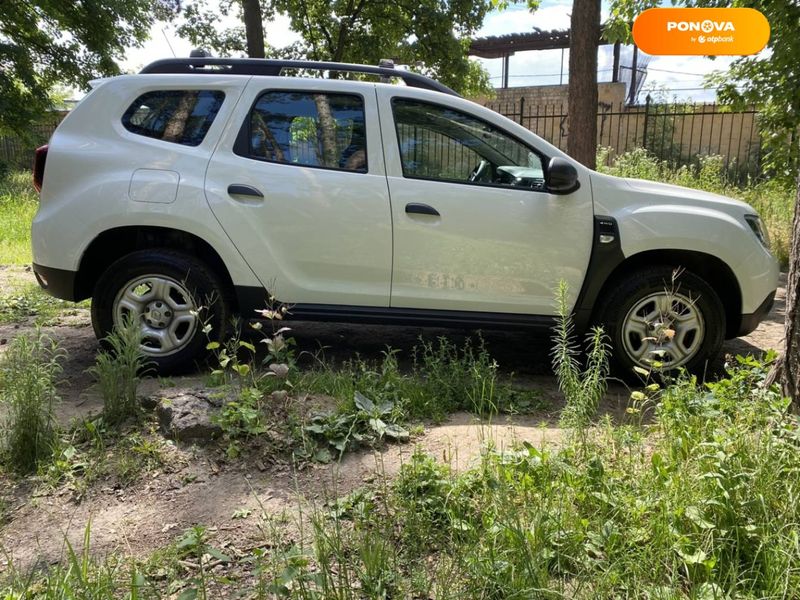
[561, 177]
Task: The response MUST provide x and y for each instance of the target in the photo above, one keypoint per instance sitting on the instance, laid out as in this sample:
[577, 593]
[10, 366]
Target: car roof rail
[274, 67]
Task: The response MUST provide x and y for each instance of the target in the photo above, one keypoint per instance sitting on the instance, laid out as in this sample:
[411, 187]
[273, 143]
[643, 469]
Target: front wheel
[172, 296]
[662, 319]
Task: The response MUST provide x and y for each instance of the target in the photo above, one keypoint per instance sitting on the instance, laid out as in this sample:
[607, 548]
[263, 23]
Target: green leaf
[212, 345]
[695, 558]
[218, 555]
[396, 432]
[188, 594]
[695, 515]
[363, 403]
[377, 426]
[323, 455]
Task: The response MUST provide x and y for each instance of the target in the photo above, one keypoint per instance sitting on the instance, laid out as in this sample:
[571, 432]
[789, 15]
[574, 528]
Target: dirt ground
[195, 487]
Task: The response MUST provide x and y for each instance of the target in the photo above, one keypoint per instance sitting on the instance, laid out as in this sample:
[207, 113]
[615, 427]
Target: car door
[474, 227]
[298, 183]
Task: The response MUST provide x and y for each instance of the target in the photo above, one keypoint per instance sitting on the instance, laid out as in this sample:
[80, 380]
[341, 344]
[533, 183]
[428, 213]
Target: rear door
[475, 228]
[299, 185]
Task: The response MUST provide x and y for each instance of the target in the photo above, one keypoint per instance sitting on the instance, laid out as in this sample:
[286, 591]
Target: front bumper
[56, 282]
[750, 321]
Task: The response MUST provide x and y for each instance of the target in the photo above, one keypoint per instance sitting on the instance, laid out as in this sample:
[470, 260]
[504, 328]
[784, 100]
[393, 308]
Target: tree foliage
[50, 43]
[431, 36]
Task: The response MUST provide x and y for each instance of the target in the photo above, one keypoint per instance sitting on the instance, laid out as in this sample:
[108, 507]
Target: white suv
[214, 182]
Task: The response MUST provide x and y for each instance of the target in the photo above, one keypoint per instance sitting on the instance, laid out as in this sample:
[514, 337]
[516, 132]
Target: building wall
[612, 94]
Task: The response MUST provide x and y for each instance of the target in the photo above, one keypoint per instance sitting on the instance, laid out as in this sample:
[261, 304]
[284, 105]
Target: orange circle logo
[703, 31]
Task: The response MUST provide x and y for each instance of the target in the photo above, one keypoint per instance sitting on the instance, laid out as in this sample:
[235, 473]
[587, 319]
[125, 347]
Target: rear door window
[310, 129]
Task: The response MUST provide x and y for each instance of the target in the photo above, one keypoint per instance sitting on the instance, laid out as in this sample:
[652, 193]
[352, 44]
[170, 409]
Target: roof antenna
[199, 53]
[164, 33]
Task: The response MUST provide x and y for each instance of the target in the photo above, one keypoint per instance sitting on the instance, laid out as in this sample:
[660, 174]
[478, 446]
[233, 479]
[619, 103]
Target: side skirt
[252, 299]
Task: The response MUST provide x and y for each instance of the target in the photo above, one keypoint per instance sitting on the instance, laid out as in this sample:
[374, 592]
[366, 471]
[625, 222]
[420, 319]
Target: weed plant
[28, 372]
[582, 388]
[117, 369]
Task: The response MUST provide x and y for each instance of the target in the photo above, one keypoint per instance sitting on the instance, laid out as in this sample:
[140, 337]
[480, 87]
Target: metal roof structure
[498, 46]
[503, 46]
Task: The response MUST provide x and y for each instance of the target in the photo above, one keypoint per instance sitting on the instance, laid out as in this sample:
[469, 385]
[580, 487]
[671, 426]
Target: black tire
[634, 290]
[180, 273]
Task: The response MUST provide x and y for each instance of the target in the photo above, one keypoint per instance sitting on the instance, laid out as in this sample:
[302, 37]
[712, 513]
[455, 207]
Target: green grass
[773, 200]
[700, 504]
[18, 204]
[372, 400]
[30, 302]
[28, 371]
[443, 378]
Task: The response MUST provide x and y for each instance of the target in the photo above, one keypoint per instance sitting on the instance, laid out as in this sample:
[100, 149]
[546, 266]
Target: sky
[679, 76]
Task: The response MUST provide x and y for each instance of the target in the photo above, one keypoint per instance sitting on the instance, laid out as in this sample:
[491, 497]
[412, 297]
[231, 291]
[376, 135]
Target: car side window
[178, 116]
[440, 143]
[310, 129]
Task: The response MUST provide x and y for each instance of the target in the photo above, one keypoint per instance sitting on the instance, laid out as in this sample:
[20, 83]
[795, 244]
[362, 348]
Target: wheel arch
[113, 244]
[707, 266]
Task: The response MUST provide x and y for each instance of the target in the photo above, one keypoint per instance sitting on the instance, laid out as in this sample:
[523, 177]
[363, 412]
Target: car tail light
[38, 167]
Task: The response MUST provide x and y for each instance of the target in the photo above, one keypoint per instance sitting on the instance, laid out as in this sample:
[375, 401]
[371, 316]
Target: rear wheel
[171, 296]
[658, 319]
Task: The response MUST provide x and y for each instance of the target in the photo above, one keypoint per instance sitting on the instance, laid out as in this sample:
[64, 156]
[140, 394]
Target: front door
[474, 226]
[299, 186]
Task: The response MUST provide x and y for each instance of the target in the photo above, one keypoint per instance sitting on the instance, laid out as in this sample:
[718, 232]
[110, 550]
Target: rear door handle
[239, 189]
[421, 209]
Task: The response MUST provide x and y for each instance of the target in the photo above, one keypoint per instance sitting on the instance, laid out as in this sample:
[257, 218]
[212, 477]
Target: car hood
[676, 194]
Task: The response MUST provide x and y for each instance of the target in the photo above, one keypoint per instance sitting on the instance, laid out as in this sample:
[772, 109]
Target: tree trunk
[583, 38]
[253, 27]
[787, 369]
[326, 132]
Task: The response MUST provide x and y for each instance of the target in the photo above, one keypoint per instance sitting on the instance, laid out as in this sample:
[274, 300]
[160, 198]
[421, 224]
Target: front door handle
[239, 189]
[415, 208]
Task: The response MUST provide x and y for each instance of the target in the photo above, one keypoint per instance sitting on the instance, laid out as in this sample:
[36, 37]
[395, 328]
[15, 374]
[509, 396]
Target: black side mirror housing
[561, 177]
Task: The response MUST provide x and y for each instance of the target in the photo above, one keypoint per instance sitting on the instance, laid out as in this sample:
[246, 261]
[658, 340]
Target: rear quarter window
[177, 116]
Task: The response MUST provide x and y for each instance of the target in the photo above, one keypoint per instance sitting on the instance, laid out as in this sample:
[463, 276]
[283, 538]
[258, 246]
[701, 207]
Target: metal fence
[17, 153]
[677, 134]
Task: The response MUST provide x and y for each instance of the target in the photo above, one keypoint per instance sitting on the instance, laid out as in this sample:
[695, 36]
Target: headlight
[757, 225]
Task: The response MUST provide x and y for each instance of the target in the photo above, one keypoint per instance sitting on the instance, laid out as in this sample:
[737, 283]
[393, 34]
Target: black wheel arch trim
[606, 256]
[112, 244]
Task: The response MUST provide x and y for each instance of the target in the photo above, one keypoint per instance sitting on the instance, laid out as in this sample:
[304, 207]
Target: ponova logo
[707, 26]
[702, 31]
